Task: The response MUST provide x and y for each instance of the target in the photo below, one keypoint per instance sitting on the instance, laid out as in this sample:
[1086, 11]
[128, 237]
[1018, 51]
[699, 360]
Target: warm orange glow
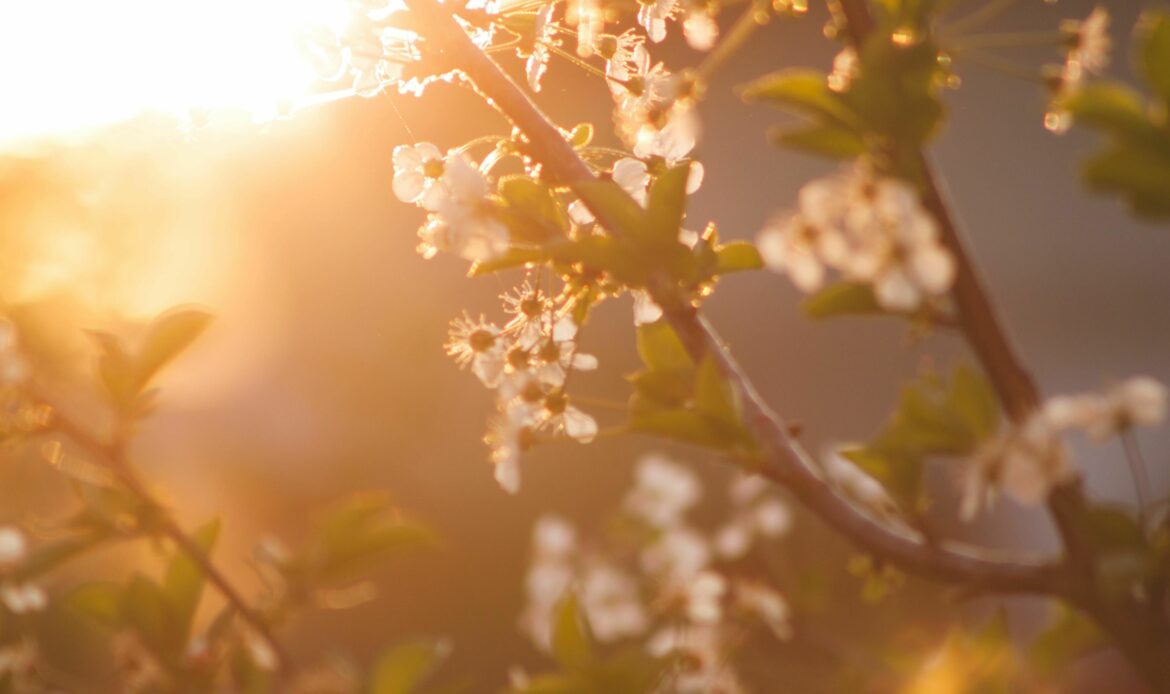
[72, 65]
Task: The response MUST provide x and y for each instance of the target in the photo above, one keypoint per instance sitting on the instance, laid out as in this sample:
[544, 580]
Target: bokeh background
[324, 372]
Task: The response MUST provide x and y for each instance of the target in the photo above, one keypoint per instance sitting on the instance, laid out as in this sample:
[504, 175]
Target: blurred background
[324, 371]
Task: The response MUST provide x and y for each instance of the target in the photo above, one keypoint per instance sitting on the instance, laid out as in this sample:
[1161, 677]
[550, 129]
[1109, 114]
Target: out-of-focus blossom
[610, 600]
[1026, 463]
[700, 29]
[663, 491]
[1139, 401]
[758, 514]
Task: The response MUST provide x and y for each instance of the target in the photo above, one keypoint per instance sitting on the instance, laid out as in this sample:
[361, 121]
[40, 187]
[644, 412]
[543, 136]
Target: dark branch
[785, 462]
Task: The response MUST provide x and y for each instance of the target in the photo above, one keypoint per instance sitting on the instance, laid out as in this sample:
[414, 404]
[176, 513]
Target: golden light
[72, 65]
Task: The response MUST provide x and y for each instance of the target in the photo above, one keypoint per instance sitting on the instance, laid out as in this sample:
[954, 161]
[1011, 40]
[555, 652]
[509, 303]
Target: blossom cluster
[872, 230]
[527, 362]
[1030, 459]
[675, 592]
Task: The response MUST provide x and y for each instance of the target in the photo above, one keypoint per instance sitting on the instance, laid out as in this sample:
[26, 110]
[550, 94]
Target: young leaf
[183, 583]
[100, 600]
[166, 338]
[822, 139]
[532, 212]
[737, 256]
[611, 205]
[571, 642]
[667, 205]
[1139, 174]
[660, 348]
[714, 397]
[1154, 47]
[402, 668]
[804, 91]
[841, 299]
[973, 398]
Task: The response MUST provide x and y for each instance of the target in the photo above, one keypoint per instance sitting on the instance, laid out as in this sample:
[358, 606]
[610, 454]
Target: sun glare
[74, 65]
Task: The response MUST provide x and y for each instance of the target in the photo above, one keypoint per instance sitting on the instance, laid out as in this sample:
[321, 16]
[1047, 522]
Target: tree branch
[785, 462]
[1138, 630]
[114, 457]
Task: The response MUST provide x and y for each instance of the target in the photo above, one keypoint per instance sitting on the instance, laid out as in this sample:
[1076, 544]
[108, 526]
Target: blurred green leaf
[581, 135]
[166, 338]
[660, 348]
[822, 139]
[401, 669]
[1139, 174]
[147, 608]
[1110, 106]
[571, 642]
[531, 212]
[803, 91]
[512, 258]
[608, 201]
[183, 583]
[361, 532]
[667, 204]
[714, 397]
[895, 92]
[1153, 37]
[973, 398]
[737, 256]
[1067, 637]
[841, 299]
[100, 600]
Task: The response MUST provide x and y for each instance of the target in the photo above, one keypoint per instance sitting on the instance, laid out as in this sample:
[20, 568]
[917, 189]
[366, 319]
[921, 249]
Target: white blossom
[561, 417]
[700, 30]
[1089, 46]
[677, 555]
[477, 344]
[858, 485]
[1026, 462]
[652, 15]
[707, 665]
[13, 548]
[767, 604]
[611, 603]
[544, 31]
[704, 597]
[1139, 401]
[21, 598]
[663, 491]
[417, 171]
[759, 515]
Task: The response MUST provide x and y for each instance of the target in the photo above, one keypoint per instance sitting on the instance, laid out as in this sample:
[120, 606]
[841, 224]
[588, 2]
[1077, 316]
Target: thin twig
[113, 455]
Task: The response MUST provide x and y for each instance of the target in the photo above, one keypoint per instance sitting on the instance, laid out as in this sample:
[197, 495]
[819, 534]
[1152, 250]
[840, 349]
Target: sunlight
[74, 65]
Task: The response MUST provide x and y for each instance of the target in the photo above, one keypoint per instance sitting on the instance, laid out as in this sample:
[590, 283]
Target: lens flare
[73, 65]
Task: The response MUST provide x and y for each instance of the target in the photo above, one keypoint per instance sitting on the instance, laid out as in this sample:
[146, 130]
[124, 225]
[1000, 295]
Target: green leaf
[512, 258]
[687, 426]
[531, 212]
[148, 610]
[737, 256]
[804, 91]
[581, 135]
[1110, 106]
[714, 397]
[895, 90]
[116, 368]
[841, 299]
[166, 338]
[667, 205]
[183, 583]
[822, 139]
[900, 474]
[1154, 47]
[571, 641]
[660, 348]
[973, 398]
[402, 668]
[1067, 637]
[1139, 174]
[361, 532]
[611, 205]
[666, 388]
[100, 600]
